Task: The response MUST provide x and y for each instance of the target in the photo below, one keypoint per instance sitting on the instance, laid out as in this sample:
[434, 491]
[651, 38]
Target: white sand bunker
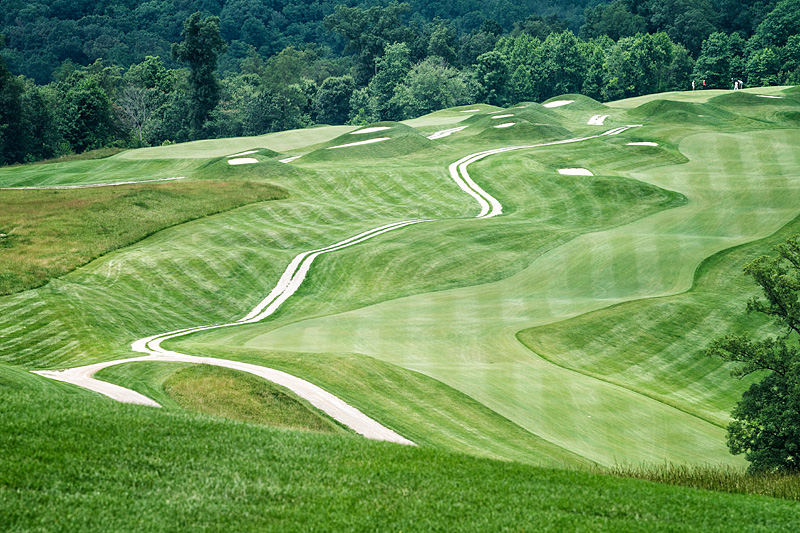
[597, 120]
[575, 172]
[505, 125]
[768, 96]
[244, 153]
[470, 110]
[242, 161]
[643, 143]
[371, 130]
[558, 103]
[368, 141]
[290, 159]
[446, 133]
[502, 116]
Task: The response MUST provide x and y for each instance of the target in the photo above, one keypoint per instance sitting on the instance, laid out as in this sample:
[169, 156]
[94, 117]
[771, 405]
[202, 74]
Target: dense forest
[76, 76]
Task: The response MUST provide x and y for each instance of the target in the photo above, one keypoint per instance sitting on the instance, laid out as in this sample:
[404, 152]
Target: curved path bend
[289, 282]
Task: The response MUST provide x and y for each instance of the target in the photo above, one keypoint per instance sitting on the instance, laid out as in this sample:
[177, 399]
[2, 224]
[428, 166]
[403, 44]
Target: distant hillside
[40, 34]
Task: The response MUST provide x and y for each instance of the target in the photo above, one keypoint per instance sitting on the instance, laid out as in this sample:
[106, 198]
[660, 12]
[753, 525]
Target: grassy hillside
[566, 332]
[70, 461]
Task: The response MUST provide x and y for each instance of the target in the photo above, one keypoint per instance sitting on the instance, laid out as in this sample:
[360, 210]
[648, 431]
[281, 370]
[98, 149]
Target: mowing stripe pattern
[289, 282]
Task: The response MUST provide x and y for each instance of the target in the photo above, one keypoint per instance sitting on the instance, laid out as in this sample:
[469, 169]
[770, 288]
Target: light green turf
[465, 337]
[281, 142]
[108, 170]
[447, 298]
[448, 117]
[697, 96]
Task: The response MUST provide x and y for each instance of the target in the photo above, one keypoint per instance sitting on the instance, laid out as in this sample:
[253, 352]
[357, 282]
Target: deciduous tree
[766, 422]
[201, 47]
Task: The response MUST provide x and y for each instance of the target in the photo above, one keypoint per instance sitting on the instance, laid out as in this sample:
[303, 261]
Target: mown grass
[419, 408]
[655, 345]
[79, 462]
[48, 233]
[237, 396]
[444, 299]
[739, 188]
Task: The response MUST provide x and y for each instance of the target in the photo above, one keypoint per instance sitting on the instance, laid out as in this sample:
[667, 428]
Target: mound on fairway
[522, 132]
[672, 112]
[740, 99]
[578, 102]
[396, 141]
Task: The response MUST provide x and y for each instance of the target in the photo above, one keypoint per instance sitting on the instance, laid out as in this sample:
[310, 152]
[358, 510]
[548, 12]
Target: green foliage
[332, 100]
[763, 67]
[201, 47]
[686, 22]
[626, 49]
[368, 31]
[721, 60]
[780, 24]
[393, 67]
[10, 111]
[766, 422]
[614, 20]
[429, 86]
[86, 117]
[442, 44]
[491, 71]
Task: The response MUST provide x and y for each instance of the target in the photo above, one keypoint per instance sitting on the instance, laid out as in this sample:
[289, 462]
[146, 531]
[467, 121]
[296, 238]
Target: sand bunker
[244, 153]
[368, 141]
[242, 161]
[505, 125]
[558, 103]
[768, 96]
[371, 130]
[643, 143]
[290, 159]
[575, 172]
[470, 110]
[502, 116]
[597, 120]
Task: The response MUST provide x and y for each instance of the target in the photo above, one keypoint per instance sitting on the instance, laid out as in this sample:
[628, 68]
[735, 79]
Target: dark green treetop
[201, 48]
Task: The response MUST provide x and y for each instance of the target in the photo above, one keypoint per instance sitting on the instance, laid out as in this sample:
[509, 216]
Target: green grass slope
[74, 462]
[419, 327]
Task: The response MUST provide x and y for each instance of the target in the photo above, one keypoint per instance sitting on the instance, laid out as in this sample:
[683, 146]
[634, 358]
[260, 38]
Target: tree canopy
[201, 47]
[766, 422]
[255, 66]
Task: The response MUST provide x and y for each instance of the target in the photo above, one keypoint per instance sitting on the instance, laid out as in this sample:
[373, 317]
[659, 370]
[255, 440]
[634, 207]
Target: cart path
[287, 285]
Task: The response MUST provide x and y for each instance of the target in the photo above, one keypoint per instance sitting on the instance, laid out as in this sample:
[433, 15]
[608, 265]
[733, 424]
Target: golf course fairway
[463, 294]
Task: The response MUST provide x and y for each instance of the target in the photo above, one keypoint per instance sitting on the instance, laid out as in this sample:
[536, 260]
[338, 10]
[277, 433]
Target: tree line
[389, 66]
